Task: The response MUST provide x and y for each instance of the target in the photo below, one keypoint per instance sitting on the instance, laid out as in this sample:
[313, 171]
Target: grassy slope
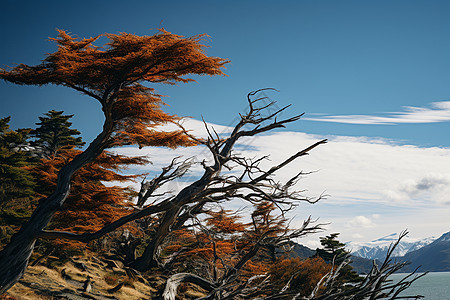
[41, 282]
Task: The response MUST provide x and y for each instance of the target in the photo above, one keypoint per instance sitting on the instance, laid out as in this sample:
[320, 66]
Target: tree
[54, 134]
[91, 204]
[17, 182]
[114, 76]
[333, 252]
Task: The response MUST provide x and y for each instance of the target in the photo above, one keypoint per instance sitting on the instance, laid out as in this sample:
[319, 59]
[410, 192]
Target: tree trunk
[149, 258]
[170, 292]
[15, 256]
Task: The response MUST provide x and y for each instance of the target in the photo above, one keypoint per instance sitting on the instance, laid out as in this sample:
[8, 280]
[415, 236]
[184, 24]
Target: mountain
[362, 265]
[297, 250]
[378, 248]
[434, 257]
[359, 264]
[431, 254]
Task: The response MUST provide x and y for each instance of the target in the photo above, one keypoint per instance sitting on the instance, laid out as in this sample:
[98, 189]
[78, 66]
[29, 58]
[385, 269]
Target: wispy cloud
[437, 112]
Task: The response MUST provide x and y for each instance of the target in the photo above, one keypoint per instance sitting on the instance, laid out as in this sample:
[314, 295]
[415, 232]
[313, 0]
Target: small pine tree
[334, 251]
[54, 134]
[16, 181]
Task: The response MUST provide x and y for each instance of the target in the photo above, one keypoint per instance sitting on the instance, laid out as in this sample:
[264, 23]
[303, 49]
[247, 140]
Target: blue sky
[377, 71]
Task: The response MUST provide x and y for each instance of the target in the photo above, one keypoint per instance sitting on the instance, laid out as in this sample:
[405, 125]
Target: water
[434, 286]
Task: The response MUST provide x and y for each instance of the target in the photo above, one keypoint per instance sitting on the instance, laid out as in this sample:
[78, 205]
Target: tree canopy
[54, 134]
[113, 75]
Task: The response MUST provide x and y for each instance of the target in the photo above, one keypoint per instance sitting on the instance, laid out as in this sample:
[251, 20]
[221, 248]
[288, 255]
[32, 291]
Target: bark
[149, 258]
[15, 256]
[170, 292]
[199, 191]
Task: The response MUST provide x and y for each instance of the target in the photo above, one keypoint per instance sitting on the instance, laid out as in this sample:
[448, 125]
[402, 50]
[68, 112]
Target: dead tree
[376, 284]
[227, 282]
[214, 186]
[114, 76]
[250, 182]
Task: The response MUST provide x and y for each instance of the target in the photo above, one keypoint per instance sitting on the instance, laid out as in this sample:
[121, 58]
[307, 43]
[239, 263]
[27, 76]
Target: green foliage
[16, 180]
[14, 216]
[54, 134]
[334, 251]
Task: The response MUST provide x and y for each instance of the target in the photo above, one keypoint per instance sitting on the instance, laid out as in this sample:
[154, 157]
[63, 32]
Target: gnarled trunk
[149, 258]
[170, 292]
[15, 256]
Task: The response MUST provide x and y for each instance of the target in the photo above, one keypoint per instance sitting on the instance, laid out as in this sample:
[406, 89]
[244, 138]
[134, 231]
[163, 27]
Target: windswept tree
[114, 76]
[333, 249]
[91, 204]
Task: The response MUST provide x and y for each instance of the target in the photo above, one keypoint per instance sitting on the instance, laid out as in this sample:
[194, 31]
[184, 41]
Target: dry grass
[42, 283]
[45, 283]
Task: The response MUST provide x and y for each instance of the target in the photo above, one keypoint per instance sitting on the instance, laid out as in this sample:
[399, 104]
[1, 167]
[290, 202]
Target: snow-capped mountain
[434, 257]
[378, 248]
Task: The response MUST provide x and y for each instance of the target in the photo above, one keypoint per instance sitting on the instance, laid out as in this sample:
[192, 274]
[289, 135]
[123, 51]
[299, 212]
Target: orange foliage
[224, 239]
[224, 222]
[222, 232]
[303, 275]
[91, 204]
[114, 74]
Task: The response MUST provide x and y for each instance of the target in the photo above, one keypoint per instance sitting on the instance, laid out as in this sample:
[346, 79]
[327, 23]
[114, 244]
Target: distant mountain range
[431, 254]
[377, 249]
[434, 257]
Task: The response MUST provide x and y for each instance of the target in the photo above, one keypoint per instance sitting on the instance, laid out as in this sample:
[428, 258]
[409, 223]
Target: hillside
[109, 280]
[359, 264]
[434, 257]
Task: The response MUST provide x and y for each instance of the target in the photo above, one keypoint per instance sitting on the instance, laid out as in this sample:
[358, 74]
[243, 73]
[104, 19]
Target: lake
[434, 286]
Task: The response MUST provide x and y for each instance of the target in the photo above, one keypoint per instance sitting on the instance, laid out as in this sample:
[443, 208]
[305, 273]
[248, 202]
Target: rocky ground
[90, 278]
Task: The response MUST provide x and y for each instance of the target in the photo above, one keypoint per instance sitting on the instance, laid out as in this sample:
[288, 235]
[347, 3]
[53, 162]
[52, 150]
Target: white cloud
[357, 236]
[361, 221]
[439, 112]
[311, 244]
[371, 180]
[430, 186]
